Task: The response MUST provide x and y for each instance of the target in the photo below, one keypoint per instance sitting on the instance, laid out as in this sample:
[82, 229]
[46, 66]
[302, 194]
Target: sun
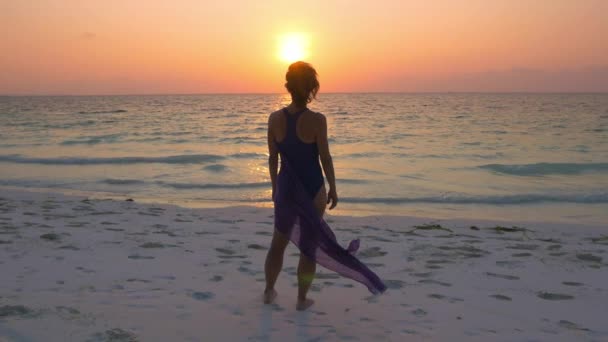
[293, 47]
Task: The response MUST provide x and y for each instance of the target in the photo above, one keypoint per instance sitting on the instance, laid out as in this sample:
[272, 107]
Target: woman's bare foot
[269, 296]
[304, 304]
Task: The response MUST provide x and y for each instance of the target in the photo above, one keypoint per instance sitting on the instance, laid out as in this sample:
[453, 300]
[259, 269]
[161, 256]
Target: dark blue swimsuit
[297, 218]
[303, 157]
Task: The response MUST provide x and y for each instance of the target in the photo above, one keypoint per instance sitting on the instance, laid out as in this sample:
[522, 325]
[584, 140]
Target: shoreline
[344, 213]
[93, 269]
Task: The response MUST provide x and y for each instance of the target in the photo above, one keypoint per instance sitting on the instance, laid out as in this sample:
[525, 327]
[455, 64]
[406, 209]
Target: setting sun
[293, 47]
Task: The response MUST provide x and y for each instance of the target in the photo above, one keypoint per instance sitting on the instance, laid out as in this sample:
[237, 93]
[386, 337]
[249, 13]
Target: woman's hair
[302, 82]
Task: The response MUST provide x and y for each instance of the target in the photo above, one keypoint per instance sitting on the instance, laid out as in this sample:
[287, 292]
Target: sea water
[489, 156]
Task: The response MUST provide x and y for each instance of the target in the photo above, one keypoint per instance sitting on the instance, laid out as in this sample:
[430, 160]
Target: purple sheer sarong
[296, 217]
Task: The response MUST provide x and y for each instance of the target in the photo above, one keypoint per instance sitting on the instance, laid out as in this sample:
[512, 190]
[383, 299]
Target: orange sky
[197, 46]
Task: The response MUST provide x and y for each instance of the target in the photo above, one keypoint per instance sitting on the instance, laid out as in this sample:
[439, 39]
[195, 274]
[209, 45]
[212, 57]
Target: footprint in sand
[290, 270]
[225, 251]
[140, 257]
[203, 296]
[502, 276]
[509, 263]
[589, 257]
[85, 270]
[553, 296]
[419, 313]
[442, 297]
[570, 325]
[229, 254]
[394, 284]
[228, 221]
[77, 224]
[501, 297]
[572, 283]
[216, 278]
[115, 335]
[15, 311]
[327, 276]
[378, 238]
[432, 281]
[152, 245]
[50, 237]
[520, 255]
[466, 251]
[136, 280]
[256, 246]
[371, 253]
[69, 247]
[166, 232]
[246, 270]
[138, 233]
[422, 275]
[525, 247]
[66, 312]
[438, 262]
[147, 214]
[265, 222]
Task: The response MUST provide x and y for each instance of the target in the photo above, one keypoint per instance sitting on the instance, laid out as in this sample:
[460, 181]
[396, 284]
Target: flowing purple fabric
[296, 217]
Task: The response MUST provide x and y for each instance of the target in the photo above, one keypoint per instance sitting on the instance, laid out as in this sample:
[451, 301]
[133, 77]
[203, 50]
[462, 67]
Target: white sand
[125, 271]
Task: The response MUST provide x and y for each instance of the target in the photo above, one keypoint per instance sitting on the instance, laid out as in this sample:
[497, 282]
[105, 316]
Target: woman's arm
[273, 157]
[327, 162]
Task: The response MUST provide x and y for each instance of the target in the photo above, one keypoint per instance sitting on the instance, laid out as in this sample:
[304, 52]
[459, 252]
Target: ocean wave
[215, 168]
[185, 186]
[493, 200]
[245, 155]
[351, 181]
[177, 159]
[103, 111]
[69, 124]
[541, 169]
[93, 140]
[362, 155]
[114, 181]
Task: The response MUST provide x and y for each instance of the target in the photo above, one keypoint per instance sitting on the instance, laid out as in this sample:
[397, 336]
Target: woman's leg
[274, 264]
[307, 267]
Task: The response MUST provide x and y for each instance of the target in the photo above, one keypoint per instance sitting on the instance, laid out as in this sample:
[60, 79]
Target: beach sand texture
[78, 269]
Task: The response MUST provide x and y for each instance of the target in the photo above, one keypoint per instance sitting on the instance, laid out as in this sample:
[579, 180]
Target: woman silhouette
[299, 136]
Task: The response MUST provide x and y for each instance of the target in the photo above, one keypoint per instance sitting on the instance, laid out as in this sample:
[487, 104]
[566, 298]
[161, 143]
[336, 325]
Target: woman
[299, 136]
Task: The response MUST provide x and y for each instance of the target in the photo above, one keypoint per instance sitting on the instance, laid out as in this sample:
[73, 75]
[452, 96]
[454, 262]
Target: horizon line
[330, 93]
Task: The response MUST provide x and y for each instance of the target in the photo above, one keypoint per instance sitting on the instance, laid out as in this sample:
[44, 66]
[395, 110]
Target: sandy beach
[78, 269]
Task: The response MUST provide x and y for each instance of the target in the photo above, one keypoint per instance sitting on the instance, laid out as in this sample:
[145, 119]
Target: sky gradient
[193, 46]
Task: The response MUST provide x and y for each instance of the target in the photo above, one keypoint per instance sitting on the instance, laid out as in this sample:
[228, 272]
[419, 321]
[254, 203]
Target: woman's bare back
[307, 127]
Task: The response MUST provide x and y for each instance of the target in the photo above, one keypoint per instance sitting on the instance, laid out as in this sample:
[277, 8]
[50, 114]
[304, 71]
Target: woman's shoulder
[274, 114]
[317, 116]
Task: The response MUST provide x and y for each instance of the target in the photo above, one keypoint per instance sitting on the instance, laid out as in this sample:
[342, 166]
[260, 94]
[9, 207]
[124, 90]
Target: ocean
[533, 157]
